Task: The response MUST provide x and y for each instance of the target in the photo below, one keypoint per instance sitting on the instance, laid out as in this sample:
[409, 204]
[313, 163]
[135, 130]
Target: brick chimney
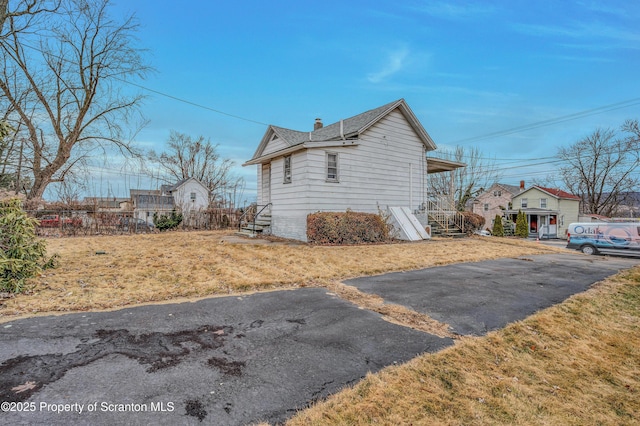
[318, 124]
[521, 185]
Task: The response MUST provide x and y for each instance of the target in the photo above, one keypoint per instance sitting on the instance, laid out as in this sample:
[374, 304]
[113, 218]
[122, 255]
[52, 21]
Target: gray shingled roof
[351, 127]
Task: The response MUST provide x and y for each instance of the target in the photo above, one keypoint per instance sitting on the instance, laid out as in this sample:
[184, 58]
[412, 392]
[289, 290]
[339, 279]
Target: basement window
[287, 169]
[332, 167]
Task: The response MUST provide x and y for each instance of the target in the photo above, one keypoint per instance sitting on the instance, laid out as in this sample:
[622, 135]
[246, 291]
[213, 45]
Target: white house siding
[182, 197]
[274, 145]
[374, 174]
[290, 204]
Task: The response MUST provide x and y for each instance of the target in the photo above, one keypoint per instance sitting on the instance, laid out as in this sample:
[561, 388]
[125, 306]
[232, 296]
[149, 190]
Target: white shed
[366, 163]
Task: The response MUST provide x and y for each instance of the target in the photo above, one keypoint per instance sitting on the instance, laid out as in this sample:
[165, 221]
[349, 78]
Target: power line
[185, 101]
[549, 122]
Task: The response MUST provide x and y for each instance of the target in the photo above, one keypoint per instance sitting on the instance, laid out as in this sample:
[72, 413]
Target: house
[494, 201]
[108, 204]
[549, 211]
[188, 196]
[366, 163]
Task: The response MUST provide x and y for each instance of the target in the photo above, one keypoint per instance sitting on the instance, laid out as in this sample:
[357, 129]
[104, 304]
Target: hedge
[346, 228]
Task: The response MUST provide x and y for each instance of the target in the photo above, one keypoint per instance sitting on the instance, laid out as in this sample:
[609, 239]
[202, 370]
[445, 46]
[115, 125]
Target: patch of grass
[572, 364]
[107, 272]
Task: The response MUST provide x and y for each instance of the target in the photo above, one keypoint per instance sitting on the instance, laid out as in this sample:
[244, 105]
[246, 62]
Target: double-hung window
[523, 203]
[332, 167]
[287, 169]
[543, 203]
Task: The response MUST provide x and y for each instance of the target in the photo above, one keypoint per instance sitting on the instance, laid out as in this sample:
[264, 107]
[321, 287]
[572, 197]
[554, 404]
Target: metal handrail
[240, 219]
[253, 229]
[254, 217]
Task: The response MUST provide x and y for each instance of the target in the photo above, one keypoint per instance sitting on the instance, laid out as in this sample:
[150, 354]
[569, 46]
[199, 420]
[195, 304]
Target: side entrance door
[266, 186]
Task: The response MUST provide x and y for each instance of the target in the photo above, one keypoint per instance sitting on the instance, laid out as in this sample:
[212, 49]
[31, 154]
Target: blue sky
[466, 68]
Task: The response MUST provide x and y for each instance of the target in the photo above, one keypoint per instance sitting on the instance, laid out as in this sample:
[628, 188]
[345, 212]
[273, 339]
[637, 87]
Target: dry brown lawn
[105, 272]
[577, 363]
[573, 364]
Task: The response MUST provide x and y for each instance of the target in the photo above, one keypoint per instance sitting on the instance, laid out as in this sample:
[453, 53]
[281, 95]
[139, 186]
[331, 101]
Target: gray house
[366, 163]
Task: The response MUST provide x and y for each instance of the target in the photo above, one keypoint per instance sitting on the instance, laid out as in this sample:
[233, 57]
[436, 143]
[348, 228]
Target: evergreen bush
[166, 222]
[522, 230]
[498, 229]
[22, 254]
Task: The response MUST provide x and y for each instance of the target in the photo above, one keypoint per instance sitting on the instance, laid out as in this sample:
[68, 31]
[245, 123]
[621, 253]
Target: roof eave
[299, 147]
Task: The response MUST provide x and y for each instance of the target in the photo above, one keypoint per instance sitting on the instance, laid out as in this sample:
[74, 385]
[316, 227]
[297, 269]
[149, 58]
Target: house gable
[280, 141]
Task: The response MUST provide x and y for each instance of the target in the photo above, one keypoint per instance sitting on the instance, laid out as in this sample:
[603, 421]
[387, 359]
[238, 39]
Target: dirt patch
[393, 313]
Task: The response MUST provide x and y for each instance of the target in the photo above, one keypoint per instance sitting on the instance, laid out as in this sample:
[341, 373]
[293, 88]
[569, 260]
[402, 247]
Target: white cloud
[395, 62]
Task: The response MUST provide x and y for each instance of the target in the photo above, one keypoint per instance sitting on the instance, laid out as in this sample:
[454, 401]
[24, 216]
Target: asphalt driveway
[474, 298]
[240, 360]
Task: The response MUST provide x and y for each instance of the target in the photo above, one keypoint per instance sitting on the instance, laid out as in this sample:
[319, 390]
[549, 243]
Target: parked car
[55, 221]
[606, 238]
[134, 224]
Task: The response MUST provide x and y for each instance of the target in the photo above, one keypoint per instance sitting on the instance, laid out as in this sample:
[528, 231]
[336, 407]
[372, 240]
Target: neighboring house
[108, 204]
[189, 197]
[549, 211]
[586, 217]
[365, 163]
[494, 201]
[147, 202]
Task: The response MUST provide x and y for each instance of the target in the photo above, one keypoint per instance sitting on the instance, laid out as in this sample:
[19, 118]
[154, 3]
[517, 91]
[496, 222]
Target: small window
[287, 169]
[193, 196]
[523, 203]
[332, 167]
[543, 203]
[497, 193]
[486, 207]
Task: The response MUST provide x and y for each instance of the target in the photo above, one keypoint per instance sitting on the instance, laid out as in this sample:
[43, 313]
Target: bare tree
[186, 157]
[24, 7]
[464, 183]
[61, 80]
[601, 168]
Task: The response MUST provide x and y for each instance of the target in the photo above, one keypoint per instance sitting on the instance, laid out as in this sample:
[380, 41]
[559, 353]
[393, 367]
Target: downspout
[411, 187]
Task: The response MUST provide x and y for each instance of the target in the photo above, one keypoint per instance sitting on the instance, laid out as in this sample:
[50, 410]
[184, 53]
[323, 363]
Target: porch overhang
[439, 165]
[532, 211]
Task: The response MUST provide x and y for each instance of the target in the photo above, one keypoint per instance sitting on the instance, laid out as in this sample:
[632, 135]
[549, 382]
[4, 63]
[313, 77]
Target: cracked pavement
[244, 359]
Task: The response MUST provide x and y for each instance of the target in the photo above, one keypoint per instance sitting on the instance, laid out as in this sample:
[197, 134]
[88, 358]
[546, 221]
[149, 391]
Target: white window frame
[336, 175]
[286, 169]
[486, 207]
[524, 203]
[543, 203]
[193, 196]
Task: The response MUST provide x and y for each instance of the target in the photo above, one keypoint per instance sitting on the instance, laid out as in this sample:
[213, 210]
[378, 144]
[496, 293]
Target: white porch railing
[442, 210]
